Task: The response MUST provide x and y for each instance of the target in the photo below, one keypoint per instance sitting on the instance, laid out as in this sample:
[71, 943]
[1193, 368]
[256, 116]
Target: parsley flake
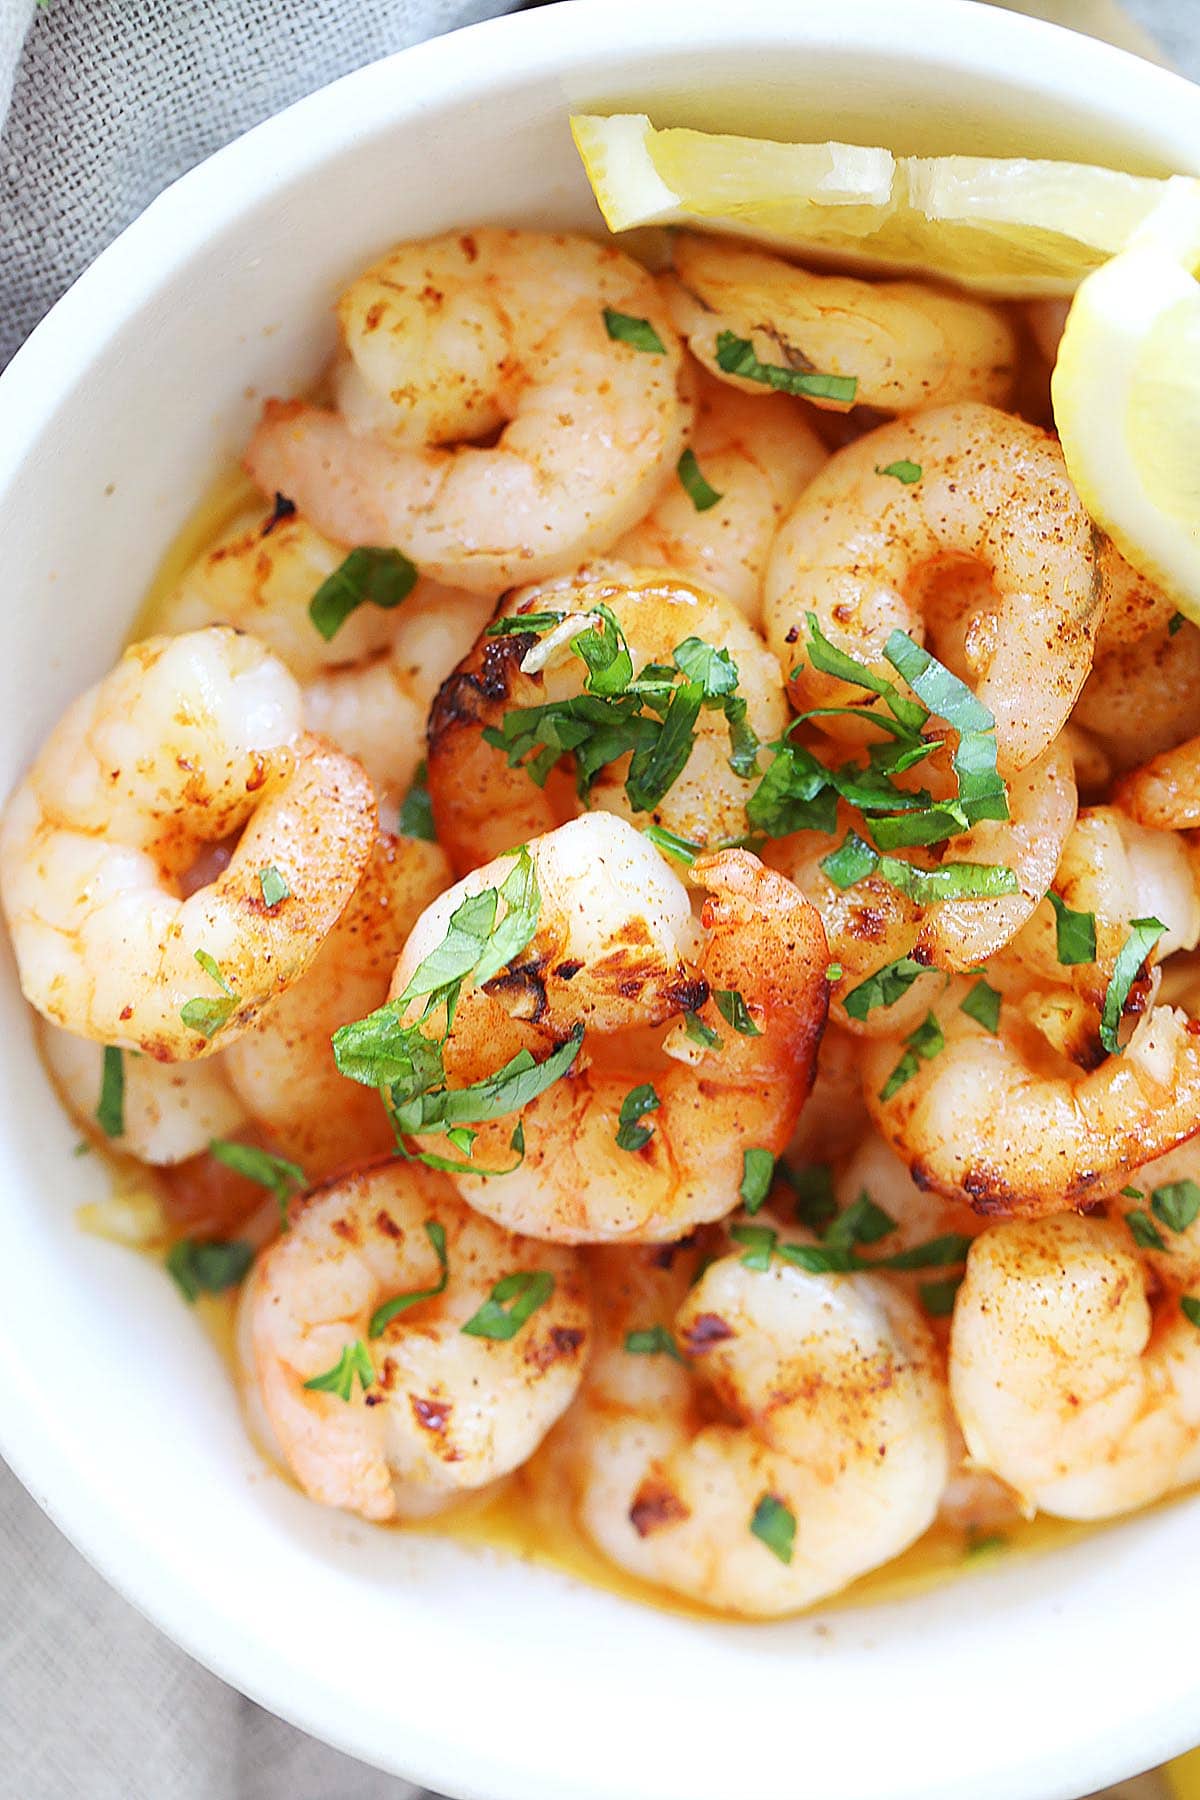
[274, 887]
[884, 987]
[1143, 935]
[639, 334]
[775, 1525]
[1146, 1234]
[355, 1361]
[205, 1015]
[983, 1005]
[1075, 932]
[655, 1340]
[1189, 1306]
[1177, 1204]
[383, 1315]
[758, 1169]
[511, 1304]
[207, 1267]
[735, 1012]
[926, 1042]
[384, 577]
[416, 810]
[110, 1110]
[700, 492]
[638, 1101]
[903, 471]
[735, 356]
[280, 1177]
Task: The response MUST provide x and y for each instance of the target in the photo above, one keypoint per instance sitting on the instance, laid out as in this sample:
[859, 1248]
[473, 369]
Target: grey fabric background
[113, 99]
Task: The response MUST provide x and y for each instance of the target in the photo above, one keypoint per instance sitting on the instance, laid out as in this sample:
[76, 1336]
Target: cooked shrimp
[1004, 1124]
[830, 1423]
[482, 807]
[992, 490]
[449, 339]
[616, 950]
[906, 344]
[187, 741]
[1134, 608]
[1046, 319]
[260, 576]
[873, 922]
[283, 1069]
[445, 1411]
[376, 710]
[757, 455]
[1143, 697]
[1164, 792]
[835, 1117]
[1117, 871]
[1067, 1382]
[919, 1213]
[169, 1111]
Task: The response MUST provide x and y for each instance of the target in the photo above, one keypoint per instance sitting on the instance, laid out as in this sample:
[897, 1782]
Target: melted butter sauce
[530, 1516]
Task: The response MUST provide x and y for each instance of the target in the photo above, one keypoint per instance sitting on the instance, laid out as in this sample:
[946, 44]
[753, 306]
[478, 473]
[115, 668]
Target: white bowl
[457, 1667]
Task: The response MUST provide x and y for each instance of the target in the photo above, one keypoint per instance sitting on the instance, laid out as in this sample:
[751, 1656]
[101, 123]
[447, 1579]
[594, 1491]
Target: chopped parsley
[639, 334]
[631, 1135]
[207, 1267]
[1075, 932]
[735, 1012]
[205, 1015]
[1143, 935]
[383, 1315]
[274, 887]
[654, 1340]
[682, 849]
[775, 1525]
[384, 577]
[407, 1064]
[416, 810]
[110, 1109]
[700, 1033]
[1177, 1204]
[700, 492]
[983, 1005]
[903, 471]
[938, 1297]
[758, 1169]
[649, 717]
[854, 860]
[280, 1177]
[884, 987]
[813, 1187]
[1189, 1306]
[1146, 1234]
[511, 1304]
[924, 1043]
[1175, 622]
[735, 356]
[355, 1361]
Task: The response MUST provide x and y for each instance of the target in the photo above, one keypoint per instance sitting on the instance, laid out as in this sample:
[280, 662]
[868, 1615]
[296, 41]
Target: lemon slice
[1126, 392]
[1010, 227]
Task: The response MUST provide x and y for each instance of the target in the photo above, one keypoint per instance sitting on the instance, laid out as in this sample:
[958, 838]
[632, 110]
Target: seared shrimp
[564, 344]
[616, 949]
[1164, 792]
[1011, 1128]
[906, 344]
[1143, 697]
[1118, 871]
[283, 1069]
[800, 1440]
[1067, 1381]
[483, 807]
[260, 576]
[873, 922]
[168, 1111]
[187, 741]
[757, 455]
[991, 491]
[376, 710]
[431, 1409]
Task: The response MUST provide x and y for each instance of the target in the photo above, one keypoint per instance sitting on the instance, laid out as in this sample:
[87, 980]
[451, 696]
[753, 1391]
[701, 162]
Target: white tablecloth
[113, 98]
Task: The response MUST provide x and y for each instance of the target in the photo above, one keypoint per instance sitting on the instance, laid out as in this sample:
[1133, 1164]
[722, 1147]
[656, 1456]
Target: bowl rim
[77, 333]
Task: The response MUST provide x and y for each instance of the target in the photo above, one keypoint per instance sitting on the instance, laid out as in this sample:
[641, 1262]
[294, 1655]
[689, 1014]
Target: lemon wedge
[1010, 227]
[1126, 391]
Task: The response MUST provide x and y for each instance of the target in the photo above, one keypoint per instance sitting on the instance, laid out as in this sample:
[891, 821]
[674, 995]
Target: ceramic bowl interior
[455, 1666]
